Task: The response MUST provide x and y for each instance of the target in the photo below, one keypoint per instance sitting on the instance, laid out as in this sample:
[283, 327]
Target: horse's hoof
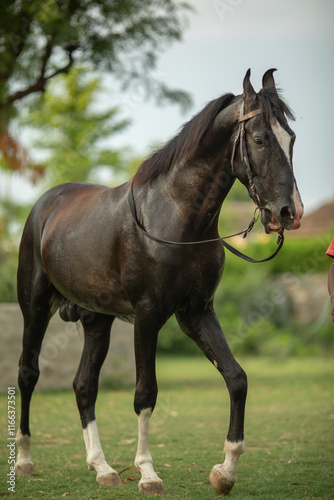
[109, 479]
[151, 488]
[24, 469]
[219, 482]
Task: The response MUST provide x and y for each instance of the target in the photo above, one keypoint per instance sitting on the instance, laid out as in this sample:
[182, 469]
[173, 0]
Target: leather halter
[240, 138]
[244, 157]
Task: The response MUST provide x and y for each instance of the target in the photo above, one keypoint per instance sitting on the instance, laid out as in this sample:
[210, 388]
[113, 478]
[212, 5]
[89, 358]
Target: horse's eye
[258, 141]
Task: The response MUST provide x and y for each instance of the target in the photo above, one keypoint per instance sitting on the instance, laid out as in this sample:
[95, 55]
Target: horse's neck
[201, 184]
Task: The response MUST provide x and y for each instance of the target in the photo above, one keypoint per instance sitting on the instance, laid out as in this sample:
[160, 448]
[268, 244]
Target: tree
[40, 40]
[70, 129]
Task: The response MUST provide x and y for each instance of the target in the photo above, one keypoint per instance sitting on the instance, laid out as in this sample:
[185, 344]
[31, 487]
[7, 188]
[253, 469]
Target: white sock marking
[95, 456]
[232, 454]
[23, 449]
[143, 459]
[229, 469]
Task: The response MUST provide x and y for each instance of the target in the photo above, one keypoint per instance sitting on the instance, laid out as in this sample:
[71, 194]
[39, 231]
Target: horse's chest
[193, 273]
[205, 274]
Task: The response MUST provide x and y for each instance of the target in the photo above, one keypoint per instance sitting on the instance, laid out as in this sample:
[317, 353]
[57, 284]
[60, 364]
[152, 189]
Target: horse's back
[64, 205]
[74, 231]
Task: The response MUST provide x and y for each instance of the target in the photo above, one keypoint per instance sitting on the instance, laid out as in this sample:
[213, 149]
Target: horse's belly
[103, 299]
[87, 282]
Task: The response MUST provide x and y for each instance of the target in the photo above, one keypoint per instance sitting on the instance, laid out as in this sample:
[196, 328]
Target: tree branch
[39, 85]
[46, 57]
[14, 44]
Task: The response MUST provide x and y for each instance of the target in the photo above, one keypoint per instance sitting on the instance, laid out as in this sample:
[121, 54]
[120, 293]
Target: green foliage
[8, 269]
[298, 255]
[238, 192]
[172, 341]
[12, 217]
[71, 131]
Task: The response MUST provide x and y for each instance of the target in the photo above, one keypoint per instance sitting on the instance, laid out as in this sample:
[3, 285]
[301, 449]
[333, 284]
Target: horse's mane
[184, 144]
[273, 101]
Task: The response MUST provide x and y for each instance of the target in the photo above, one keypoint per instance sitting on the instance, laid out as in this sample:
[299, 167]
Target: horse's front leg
[205, 330]
[147, 327]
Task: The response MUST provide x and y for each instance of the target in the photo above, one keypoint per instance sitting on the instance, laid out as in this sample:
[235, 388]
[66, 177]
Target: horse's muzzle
[284, 213]
[270, 223]
[288, 218]
[299, 211]
[296, 223]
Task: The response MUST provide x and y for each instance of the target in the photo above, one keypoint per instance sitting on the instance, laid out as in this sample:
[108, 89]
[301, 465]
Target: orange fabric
[330, 250]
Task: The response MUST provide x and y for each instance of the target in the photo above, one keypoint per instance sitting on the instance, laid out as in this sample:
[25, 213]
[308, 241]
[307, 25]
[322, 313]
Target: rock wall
[61, 352]
[308, 294]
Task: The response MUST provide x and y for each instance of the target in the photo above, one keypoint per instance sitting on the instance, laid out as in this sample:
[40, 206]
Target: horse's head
[264, 163]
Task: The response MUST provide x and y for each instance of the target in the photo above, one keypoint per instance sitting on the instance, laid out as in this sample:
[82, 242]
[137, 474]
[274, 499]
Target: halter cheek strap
[240, 138]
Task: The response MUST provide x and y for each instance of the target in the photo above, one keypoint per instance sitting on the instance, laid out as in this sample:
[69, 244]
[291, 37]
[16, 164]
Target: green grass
[289, 435]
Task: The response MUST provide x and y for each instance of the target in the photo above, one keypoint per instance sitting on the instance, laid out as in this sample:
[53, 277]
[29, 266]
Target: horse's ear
[249, 92]
[268, 81]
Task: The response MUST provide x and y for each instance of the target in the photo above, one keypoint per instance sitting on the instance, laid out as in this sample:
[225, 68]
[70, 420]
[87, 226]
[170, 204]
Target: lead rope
[280, 239]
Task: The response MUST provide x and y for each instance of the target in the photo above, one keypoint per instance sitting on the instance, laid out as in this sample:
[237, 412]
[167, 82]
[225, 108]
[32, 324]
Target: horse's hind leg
[97, 337]
[38, 302]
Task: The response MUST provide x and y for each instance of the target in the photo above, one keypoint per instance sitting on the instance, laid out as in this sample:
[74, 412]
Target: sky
[225, 38]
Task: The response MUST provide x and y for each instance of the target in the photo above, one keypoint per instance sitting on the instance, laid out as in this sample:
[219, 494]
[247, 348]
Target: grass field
[289, 435]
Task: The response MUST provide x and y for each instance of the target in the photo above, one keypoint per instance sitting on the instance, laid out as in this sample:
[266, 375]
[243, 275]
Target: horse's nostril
[285, 213]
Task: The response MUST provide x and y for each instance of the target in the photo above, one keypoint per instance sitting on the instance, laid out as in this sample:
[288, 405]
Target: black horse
[83, 250]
